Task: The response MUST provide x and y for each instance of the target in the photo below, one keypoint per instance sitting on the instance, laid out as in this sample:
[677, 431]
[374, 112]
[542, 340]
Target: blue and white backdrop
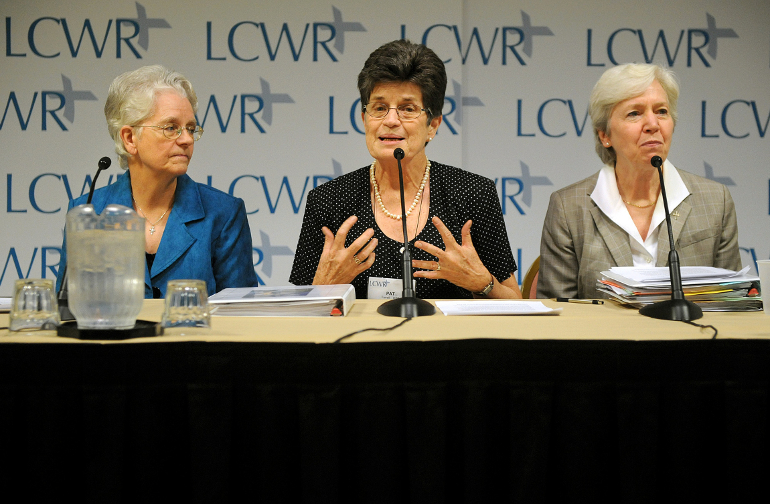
[278, 101]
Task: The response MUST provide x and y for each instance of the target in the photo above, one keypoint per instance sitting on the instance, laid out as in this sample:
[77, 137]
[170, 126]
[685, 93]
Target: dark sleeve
[232, 252]
[310, 243]
[490, 238]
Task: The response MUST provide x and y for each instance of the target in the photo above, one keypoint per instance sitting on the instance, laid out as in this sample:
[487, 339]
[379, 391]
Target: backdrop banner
[276, 83]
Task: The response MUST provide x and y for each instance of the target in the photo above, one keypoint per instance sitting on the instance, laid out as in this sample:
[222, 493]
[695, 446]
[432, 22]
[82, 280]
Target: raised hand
[340, 265]
[459, 263]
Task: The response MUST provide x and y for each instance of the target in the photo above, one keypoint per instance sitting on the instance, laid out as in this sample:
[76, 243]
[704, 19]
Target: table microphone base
[65, 315]
[673, 309]
[409, 307]
[141, 329]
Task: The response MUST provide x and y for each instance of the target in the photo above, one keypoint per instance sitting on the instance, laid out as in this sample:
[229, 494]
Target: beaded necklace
[417, 197]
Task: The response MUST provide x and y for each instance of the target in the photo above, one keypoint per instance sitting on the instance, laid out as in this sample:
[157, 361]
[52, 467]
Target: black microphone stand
[676, 308]
[64, 310]
[408, 306]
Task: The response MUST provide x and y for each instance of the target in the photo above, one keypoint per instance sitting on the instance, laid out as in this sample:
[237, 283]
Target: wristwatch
[488, 288]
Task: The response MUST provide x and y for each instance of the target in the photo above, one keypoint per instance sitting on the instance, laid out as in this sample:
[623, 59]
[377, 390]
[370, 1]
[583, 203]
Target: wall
[278, 100]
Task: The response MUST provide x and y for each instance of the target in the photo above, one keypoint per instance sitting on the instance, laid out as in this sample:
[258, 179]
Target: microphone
[408, 306]
[676, 308]
[104, 163]
[64, 311]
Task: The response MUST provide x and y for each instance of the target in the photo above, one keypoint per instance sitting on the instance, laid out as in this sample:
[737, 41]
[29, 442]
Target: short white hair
[132, 99]
[621, 83]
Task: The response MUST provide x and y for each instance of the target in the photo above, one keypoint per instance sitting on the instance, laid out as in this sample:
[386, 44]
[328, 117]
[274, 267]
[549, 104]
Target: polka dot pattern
[456, 196]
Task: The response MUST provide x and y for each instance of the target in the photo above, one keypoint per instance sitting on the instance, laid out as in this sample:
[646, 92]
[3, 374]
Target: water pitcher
[105, 263]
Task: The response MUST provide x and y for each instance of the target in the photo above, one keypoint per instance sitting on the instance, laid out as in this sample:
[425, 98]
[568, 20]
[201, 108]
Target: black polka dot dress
[456, 196]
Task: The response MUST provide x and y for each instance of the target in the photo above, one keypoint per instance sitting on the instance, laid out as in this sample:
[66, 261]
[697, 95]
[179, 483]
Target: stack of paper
[713, 289]
[288, 301]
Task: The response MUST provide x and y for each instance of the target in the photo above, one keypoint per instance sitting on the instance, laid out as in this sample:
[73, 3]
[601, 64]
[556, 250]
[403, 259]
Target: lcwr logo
[265, 253]
[510, 37]
[65, 99]
[697, 38]
[525, 184]
[265, 101]
[126, 30]
[244, 36]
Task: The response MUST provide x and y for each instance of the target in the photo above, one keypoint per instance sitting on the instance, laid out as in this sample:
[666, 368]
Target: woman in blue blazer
[191, 230]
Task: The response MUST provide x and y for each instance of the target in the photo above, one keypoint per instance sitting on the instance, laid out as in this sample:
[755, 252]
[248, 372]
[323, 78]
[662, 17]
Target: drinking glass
[33, 306]
[186, 307]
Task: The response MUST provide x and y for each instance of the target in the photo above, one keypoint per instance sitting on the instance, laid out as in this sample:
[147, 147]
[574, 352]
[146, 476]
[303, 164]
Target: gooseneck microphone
[408, 306]
[406, 264]
[64, 311]
[104, 163]
[676, 308]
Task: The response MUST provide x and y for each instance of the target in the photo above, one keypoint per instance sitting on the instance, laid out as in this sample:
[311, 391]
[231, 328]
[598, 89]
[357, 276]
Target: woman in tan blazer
[616, 217]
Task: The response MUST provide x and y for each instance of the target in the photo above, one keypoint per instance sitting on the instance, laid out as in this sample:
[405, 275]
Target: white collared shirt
[607, 197]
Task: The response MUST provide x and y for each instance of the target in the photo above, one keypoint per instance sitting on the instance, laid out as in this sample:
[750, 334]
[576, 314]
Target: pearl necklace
[417, 197]
[152, 225]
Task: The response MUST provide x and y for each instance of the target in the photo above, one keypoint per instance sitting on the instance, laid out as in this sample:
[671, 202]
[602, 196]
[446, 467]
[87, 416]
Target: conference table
[595, 404]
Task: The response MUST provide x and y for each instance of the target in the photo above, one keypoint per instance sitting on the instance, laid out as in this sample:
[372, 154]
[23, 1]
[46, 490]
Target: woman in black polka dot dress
[352, 230]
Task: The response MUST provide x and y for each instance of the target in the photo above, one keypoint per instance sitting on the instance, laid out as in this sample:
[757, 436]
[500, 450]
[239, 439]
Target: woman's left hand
[459, 263]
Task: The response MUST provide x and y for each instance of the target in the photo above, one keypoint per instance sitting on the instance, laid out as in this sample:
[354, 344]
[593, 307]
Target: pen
[581, 301]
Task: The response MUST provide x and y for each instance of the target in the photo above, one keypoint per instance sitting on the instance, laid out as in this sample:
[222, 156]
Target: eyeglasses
[172, 132]
[407, 111]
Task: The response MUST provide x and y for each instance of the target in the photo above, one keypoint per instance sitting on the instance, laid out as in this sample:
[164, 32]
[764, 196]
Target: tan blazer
[579, 241]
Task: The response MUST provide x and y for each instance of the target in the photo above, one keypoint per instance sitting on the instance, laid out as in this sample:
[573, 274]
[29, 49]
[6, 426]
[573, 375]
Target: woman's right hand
[340, 265]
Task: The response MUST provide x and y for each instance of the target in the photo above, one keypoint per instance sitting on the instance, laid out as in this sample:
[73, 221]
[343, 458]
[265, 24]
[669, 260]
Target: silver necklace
[153, 224]
[417, 197]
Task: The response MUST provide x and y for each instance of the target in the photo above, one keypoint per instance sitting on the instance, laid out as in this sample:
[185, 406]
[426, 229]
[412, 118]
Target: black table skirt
[465, 421]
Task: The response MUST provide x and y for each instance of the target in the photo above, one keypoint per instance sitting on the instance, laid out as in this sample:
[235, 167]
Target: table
[596, 404]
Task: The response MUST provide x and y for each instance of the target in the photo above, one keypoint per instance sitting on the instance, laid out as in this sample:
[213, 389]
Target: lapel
[118, 193]
[176, 237]
[677, 223]
[614, 237]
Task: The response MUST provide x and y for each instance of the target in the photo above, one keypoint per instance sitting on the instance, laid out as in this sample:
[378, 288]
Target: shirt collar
[607, 198]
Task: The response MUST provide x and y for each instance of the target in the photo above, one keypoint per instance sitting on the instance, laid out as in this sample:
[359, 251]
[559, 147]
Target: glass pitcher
[105, 266]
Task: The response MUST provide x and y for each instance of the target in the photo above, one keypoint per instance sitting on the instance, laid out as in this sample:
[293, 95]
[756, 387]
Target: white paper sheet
[661, 274]
[490, 307]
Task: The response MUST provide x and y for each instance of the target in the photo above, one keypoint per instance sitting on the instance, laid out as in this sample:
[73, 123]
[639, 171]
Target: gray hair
[131, 100]
[404, 61]
[621, 83]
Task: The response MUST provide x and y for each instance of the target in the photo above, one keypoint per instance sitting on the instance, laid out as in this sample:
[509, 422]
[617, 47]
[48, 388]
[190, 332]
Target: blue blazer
[207, 236]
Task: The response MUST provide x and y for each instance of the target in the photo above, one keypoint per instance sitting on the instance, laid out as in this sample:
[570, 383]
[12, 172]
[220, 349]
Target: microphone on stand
[408, 306]
[676, 308]
[64, 311]
[104, 163]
